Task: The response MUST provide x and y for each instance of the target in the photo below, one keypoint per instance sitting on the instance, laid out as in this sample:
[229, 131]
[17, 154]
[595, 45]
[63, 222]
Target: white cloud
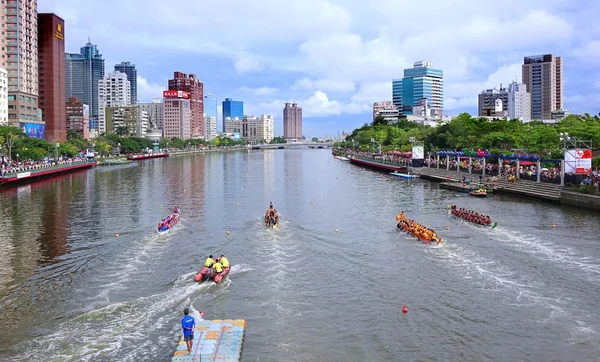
[338, 56]
[147, 91]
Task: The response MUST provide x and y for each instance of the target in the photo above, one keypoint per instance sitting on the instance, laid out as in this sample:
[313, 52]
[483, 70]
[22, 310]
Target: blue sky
[334, 57]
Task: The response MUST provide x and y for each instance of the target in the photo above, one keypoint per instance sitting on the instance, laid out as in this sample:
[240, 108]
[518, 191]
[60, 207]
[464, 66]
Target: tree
[277, 140]
[315, 139]
[11, 135]
[102, 147]
[379, 121]
[122, 131]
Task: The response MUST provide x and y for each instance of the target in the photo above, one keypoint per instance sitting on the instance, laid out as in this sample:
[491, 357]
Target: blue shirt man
[188, 324]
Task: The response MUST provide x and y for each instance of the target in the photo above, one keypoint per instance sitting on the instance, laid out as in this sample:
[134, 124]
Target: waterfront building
[155, 112]
[177, 114]
[77, 117]
[292, 121]
[129, 69]
[113, 91]
[210, 127]
[511, 102]
[387, 110]
[232, 109]
[421, 81]
[519, 102]
[83, 72]
[3, 97]
[21, 51]
[250, 128]
[132, 118]
[51, 50]
[543, 76]
[195, 90]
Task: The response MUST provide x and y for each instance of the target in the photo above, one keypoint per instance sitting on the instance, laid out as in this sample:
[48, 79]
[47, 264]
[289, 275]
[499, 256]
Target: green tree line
[465, 131]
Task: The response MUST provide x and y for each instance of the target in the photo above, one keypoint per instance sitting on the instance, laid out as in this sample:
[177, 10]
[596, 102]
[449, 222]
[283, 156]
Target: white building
[251, 128]
[3, 97]
[387, 110]
[155, 112]
[519, 102]
[114, 90]
[210, 127]
[424, 110]
[176, 115]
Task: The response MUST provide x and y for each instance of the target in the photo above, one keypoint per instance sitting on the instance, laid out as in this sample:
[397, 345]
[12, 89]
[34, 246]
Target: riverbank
[216, 149]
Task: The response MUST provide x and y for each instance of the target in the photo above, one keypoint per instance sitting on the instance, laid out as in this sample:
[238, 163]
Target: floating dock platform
[403, 175]
[214, 340]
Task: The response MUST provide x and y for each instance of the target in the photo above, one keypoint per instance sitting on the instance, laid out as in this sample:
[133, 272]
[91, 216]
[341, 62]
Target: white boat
[341, 158]
[404, 175]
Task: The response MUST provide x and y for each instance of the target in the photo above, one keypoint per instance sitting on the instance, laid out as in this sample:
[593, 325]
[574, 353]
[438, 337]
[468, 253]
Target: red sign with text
[175, 94]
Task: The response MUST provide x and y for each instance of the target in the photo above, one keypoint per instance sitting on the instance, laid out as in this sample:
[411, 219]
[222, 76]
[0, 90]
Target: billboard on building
[418, 153]
[236, 136]
[35, 130]
[176, 94]
[578, 161]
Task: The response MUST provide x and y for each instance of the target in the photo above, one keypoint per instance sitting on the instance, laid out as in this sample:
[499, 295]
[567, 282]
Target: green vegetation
[465, 131]
[13, 142]
[278, 140]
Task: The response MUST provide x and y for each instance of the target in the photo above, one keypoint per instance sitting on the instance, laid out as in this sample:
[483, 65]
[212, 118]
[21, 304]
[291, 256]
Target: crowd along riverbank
[462, 179]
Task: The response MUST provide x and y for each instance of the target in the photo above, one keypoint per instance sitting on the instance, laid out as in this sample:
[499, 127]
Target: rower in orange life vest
[401, 216]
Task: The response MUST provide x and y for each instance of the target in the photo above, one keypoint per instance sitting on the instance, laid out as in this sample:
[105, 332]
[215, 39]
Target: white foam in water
[548, 251]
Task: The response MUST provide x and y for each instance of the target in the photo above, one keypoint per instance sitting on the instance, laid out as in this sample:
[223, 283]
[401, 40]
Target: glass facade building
[421, 81]
[232, 109]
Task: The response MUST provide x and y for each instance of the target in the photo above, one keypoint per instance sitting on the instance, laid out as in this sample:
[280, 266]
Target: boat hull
[403, 175]
[206, 274]
[173, 223]
[423, 240]
[478, 194]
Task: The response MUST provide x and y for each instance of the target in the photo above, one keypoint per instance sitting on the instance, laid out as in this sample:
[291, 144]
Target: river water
[71, 290]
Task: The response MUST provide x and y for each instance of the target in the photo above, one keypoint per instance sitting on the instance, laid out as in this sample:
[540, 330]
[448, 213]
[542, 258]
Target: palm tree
[122, 131]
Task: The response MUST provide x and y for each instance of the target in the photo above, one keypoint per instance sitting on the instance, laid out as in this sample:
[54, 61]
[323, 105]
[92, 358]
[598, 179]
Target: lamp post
[377, 144]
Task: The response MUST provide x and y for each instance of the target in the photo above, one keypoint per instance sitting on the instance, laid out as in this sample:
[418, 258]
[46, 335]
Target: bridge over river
[293, 145]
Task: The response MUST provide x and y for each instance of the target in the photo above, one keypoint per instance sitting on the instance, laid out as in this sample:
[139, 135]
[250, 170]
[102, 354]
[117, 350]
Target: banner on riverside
[418, 153]
[578, 161]
[33, 129]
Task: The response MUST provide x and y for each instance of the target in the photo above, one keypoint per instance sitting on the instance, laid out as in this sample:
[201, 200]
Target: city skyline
[303, 61]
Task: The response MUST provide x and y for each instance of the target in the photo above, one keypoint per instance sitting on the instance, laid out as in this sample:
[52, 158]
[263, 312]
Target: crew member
[223, 261]
[209, 261]
[217, 267]
[188, 324]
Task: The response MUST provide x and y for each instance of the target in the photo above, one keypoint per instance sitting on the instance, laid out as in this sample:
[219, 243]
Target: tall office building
[251, 128]
[155, 112]
[292, 121]
[3, 97]
[51, 50]
[542, 74]
[78, 117]
[511, 102]
[21, 46]
[488, 102]
[177, 117]
[129, 69]
[210, 127]
[113, 91]
[83, 72]
[232, 109]
[132, 119]
[421, 81]
[195, 90]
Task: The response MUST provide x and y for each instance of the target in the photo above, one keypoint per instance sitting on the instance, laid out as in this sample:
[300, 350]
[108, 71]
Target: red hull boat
[208, 274]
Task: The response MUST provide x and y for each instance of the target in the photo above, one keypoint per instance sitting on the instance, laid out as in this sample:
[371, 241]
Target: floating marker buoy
[201, 314]
[161, 205]
[227, 232]
[447, 227]
[237, 203]
[116, 235]
[312, 202]
[404, 309]
[553, 225]
[336, 230]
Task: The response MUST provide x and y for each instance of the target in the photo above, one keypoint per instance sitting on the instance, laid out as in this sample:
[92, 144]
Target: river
[72, 290]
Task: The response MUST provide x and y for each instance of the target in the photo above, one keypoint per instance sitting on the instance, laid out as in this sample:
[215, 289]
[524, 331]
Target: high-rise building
[83, 72]
[232, 109]
[155, 112]
[22, 61]
[130, 120]
[3, 44]
[519, 102]
[252, 129]
[129, 69]
[543, 76]
[210, 127]
[292, 121]
[78, 117]
[177, 114]
[113, 91]
[51, 50]
[3, 97]
[195, 90]
[421, 81]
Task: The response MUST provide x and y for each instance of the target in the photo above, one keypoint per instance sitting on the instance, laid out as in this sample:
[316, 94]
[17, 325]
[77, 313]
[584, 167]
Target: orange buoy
[404, 309]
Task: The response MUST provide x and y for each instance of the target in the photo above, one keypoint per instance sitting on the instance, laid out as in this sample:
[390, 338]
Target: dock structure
[214, 340]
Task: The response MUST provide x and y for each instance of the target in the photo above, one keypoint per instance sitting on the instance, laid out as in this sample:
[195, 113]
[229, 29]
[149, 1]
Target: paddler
[223, 261]
[209, 261]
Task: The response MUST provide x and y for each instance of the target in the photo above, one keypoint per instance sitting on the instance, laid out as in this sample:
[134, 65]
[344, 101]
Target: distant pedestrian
[188, 324]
